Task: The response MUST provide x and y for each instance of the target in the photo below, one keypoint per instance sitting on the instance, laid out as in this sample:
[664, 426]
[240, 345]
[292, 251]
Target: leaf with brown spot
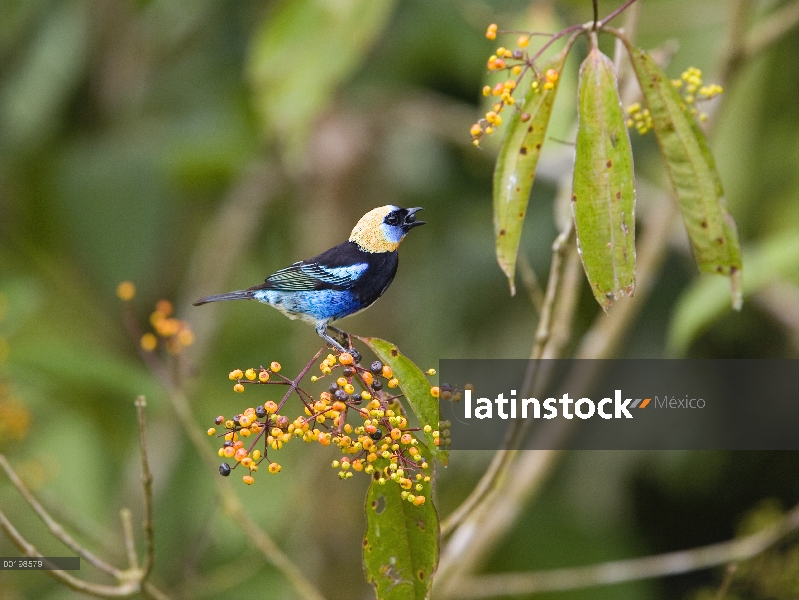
[515, 169]
[693, 174]
[603, 202]
[400, 550]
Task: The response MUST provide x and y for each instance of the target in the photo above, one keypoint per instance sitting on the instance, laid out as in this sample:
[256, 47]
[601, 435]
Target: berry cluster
[366, 424]
[515, 63]
[691, 90]
[173, 333]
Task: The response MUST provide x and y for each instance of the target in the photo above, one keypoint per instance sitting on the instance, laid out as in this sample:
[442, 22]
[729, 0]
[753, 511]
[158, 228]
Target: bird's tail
[239, 295]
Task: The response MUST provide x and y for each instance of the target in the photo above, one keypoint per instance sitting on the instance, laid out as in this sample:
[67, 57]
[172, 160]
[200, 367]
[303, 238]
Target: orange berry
[248, 479]
[387, 372]
[345, 358]
[435, 391]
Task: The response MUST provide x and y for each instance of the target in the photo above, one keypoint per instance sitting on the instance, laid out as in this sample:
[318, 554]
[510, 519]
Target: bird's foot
[343, 335]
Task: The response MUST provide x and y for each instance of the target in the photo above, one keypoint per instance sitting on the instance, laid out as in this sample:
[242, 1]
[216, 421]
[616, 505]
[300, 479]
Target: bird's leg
[321, 331]
[343, 334]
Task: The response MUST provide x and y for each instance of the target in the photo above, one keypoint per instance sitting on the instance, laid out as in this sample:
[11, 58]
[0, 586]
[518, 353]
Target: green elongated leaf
[693, 173]
[301, 52]
[400, 550]
[416, 388]
[706, 300]
[515, 168]
[603, 198]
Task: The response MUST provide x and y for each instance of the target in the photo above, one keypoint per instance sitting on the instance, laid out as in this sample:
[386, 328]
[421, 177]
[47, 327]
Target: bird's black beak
[410, 219]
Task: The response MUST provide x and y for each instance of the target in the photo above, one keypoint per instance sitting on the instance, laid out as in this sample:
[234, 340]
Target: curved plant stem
[619, 571]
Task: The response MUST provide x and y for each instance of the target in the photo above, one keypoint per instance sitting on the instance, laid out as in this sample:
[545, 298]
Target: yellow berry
[275, 366]
[263, 376]
[435, 391]
[211, 431]
[349, 388]
[239, 388]
[126, 291]
[236, 374]
[393, 382]
[250, 374]
[274, 468]
[523, 41]
[476, 131]
[486, 90]
[148, 342]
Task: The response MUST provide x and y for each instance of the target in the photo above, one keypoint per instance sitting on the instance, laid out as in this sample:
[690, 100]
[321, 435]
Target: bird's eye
[392, 219]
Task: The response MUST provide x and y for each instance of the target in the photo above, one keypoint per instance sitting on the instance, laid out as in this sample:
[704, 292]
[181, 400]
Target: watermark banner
[622, 404]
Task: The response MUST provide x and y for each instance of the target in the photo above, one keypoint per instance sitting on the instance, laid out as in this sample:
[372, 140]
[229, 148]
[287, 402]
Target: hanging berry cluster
[167, 331]
[358, 413]
[692, 91]
[515, 64]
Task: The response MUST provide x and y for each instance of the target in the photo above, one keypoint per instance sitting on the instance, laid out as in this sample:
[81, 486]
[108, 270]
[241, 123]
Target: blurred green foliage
[132, 131]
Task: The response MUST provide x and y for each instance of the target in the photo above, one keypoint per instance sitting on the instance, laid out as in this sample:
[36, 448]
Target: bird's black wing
[339, 268]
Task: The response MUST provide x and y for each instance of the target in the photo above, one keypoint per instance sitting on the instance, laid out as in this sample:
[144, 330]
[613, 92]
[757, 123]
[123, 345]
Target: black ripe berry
[377, 385]
[376, 367]
[224, 469]
[377, 435]
[260, 411]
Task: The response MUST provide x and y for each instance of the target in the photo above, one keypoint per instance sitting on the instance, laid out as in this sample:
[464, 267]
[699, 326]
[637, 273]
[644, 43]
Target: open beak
[410, 218]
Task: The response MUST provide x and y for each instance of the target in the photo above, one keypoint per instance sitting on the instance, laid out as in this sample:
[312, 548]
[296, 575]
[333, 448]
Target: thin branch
[55, 528]
[147, 487]
[559, 250]
[772, 29]
[530, 282]
[504, 457]
[126, 588]
[615, 14]
[620, 571]
[130, 543]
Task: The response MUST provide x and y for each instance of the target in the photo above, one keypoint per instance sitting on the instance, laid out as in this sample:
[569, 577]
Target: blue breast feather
[311, 305]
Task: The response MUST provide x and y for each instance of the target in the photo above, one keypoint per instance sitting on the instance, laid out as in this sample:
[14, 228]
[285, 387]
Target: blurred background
[195, 148]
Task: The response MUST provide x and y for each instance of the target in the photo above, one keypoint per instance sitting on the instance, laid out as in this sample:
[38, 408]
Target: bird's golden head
[383, 228]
